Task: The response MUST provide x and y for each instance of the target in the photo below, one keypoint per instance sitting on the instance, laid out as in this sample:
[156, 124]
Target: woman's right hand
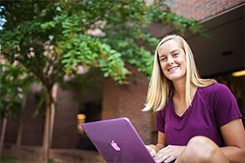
[151, 149]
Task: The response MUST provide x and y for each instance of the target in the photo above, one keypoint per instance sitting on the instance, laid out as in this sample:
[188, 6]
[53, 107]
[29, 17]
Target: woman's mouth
[173, 68]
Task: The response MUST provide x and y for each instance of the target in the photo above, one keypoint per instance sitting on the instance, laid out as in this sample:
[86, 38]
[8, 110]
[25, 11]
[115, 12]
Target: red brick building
[216, 57]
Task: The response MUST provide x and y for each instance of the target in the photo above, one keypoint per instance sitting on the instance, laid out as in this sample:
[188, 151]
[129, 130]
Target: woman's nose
[170, 60]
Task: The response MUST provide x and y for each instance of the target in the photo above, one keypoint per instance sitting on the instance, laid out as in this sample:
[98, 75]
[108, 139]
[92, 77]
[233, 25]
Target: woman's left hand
[169, 153]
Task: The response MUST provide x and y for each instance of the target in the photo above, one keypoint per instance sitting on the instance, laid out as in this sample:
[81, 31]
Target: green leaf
[106, 74]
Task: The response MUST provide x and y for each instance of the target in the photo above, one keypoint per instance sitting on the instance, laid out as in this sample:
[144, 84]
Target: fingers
[153, 153]
[167, 154]
[170, 159]
[165, 158]
[151, 150]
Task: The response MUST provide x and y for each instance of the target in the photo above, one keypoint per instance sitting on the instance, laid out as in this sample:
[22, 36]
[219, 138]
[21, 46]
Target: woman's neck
[179, 90]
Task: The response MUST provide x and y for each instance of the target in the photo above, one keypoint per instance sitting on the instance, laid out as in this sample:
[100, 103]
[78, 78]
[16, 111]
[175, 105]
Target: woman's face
[172, 60]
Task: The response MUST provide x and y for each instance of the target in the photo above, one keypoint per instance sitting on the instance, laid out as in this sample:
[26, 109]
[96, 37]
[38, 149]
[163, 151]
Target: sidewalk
[32, 154]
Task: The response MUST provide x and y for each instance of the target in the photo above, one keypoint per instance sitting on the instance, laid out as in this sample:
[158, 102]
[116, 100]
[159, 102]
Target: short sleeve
[224, 105]
[160, 120]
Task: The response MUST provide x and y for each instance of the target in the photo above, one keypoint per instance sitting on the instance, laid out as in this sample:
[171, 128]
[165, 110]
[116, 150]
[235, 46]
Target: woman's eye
[175, 54]
[163, 59]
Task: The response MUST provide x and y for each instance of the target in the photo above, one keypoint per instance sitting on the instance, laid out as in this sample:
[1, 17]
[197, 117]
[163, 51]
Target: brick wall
[65, 121]
[11, 131]
[33, 126]
[128, 101]
[197, 9]
[201, 9]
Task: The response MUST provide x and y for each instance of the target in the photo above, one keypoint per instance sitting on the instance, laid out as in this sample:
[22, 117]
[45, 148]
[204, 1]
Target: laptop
[117, 141]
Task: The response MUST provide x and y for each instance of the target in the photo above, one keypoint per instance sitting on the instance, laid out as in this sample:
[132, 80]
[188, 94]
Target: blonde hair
[161, 89]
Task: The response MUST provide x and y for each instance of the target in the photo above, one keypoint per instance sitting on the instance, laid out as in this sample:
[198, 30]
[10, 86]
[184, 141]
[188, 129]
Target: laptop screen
[117, 140]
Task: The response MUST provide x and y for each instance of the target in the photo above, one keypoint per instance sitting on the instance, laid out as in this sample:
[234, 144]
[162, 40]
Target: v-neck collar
[188, 109]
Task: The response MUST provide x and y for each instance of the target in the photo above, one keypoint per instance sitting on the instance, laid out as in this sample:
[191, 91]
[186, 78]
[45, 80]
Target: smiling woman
[193, 115]
[172, 60]
[161, 88]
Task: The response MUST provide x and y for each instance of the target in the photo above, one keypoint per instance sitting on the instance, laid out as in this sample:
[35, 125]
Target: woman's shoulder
[215, 89]
[169, 104]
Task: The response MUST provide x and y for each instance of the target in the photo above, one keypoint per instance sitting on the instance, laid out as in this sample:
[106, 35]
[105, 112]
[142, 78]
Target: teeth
[172, 69]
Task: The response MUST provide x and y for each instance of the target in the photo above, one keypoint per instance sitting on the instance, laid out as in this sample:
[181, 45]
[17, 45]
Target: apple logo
[115, 146]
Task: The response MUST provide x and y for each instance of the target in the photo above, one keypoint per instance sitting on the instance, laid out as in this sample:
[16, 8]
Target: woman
[198, 120]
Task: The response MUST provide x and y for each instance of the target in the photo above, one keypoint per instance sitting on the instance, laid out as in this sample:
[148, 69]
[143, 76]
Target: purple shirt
[211, 108]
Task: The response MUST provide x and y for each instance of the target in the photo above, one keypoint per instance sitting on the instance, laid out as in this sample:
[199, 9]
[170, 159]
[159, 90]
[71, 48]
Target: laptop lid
[117, 140]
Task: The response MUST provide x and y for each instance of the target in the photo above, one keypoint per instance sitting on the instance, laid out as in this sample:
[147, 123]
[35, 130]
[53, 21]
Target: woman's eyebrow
[173, 51]
[161, 55]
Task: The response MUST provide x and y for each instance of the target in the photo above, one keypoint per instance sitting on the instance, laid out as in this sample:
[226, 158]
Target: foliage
[13, 88]
[23, 39]
[67, 25]
[120, 23]
[26, 44]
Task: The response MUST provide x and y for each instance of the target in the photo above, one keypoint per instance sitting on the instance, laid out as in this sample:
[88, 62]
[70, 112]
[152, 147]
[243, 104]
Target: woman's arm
[161, 143]
[234, 137]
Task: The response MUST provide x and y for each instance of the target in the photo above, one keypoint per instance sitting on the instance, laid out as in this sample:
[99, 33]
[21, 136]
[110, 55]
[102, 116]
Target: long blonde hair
[161, 88]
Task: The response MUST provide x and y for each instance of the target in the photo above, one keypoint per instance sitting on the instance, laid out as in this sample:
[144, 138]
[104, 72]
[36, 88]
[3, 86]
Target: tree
[14, 84]
[24, 42]
[49, 38]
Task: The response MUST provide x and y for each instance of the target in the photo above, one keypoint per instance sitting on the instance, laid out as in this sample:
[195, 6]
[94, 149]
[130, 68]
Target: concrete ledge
[34, 154]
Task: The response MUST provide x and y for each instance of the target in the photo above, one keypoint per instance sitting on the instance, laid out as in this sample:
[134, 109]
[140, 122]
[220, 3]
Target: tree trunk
[54, 95]
[47, 127]
[19, 136]
[3, 134]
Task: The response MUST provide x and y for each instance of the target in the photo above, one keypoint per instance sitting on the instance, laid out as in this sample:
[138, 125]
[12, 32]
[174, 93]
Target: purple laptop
[117, 141]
